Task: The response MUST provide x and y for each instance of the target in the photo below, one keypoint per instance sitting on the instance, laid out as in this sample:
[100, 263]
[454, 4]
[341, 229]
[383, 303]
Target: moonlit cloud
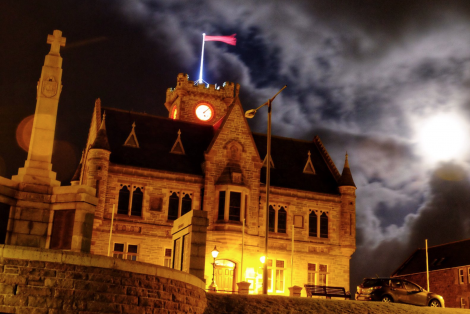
[368, 87]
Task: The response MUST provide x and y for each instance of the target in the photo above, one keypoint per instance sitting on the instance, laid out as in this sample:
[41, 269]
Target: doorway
[225, 272]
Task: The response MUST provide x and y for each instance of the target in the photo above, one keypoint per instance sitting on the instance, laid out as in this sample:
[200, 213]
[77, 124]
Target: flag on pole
[231, 40]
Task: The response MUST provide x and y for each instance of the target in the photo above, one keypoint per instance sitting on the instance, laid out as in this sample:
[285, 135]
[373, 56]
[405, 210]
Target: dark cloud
[443, 218]
[364, 75]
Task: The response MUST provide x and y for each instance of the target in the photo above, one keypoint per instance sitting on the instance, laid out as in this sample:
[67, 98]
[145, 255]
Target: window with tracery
[179, 204]
[318, 226]
[130, 200]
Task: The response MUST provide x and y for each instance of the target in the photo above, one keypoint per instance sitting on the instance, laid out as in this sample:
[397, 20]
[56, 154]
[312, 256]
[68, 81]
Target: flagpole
[202, 58]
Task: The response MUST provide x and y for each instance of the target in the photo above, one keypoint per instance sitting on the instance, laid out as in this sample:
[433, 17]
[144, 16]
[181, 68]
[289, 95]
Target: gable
[234, 127]
[290, 156]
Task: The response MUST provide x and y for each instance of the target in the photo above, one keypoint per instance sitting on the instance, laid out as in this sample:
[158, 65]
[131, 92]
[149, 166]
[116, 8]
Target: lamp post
[213, 286]
[250, 114]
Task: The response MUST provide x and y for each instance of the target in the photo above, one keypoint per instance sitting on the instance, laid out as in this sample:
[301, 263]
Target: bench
[327, 291]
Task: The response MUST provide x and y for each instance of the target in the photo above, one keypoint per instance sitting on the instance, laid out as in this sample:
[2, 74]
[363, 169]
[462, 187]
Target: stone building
[449, 271]
[152, 170]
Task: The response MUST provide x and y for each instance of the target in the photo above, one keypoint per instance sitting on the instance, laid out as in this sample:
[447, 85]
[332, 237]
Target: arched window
[312, 225]
[123, 202]
[235, 206]
[272, 218]
[323, 226]
[137, 198]
[173, 206]
[281, 220]
[186, 204]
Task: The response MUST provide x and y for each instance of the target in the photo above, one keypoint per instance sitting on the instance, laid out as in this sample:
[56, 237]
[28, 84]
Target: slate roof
[289, 157]
[157, 135]
[346, 178]
[454, 254]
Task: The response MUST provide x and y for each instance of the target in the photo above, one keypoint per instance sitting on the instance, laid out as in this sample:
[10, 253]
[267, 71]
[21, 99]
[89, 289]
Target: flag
[231, 40]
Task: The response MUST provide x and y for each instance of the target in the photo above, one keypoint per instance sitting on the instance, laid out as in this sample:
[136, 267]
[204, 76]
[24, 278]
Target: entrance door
[224, 276]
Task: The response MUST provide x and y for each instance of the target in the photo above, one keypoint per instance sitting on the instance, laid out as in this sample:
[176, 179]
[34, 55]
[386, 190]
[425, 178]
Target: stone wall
[54, 282]
[446, 283]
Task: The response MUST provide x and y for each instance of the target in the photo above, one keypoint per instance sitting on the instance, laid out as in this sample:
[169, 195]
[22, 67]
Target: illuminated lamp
[213, 286]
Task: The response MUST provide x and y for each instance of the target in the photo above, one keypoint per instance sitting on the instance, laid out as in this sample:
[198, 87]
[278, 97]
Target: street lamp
[250, 114]
[215, 253]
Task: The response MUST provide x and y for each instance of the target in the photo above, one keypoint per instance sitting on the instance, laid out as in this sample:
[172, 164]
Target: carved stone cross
[56, 40]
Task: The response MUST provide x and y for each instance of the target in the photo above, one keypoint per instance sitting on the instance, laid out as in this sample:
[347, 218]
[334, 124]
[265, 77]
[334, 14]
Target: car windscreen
[373, 282]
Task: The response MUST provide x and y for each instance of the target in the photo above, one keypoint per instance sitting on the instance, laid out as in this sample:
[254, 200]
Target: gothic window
[173, 205]
[272, 218]
[316, 225]
[221, 213]
[235, 206]
[137, 198]
[277, 219]
[323, 226]
[130, 200]
[186, 204]
[178, 206]
[281, 220]
[312, 224]
[123, 202]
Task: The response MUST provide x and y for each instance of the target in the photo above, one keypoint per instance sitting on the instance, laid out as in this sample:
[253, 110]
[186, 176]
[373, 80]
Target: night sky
[368, 77]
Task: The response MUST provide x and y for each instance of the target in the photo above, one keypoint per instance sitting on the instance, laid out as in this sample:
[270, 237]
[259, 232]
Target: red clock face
[204, 112]
[174, 113]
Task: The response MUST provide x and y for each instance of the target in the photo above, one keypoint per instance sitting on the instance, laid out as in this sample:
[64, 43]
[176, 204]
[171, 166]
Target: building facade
[151, 170]
[449, 271]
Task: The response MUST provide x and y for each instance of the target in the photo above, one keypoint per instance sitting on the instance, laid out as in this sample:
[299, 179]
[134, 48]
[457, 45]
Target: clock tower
[200, 103]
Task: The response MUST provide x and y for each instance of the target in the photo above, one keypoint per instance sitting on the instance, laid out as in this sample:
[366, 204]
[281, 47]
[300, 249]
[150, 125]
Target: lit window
[461, 276]
[316, 225]
[279, 276]
[178, 207]
[167, 258]
[130, 202]
[322, 275]
[311, 273]
[278, 270]
[125, 251]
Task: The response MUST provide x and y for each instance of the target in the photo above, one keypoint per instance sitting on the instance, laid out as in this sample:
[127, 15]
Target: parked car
[397, 290]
